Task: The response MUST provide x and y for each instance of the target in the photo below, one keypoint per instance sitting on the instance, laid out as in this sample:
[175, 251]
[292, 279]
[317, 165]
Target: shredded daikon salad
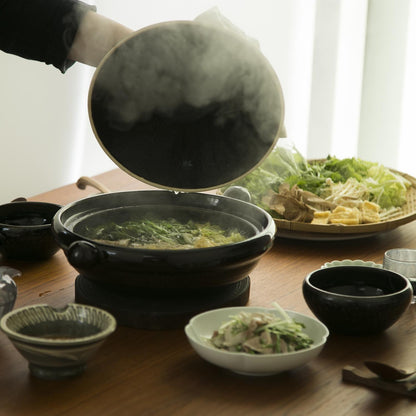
[261, 333]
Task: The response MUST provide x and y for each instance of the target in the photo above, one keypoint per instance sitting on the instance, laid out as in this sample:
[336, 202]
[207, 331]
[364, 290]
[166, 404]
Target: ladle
[389, 372]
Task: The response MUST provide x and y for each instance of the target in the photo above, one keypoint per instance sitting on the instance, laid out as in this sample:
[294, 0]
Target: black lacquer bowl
[357, 300]
[25, 230]
[124, 267]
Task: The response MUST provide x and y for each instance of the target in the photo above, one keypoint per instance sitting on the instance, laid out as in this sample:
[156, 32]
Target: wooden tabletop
[144, 372]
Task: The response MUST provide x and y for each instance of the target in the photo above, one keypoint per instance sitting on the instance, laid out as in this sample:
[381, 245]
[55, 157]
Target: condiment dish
[357, 300]
[201, 327]
[57, 342]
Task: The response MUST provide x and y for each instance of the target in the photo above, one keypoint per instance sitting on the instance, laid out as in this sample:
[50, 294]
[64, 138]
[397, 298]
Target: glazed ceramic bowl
[201, 327]
[25, 230]
[357, 300]
[57, 342]
[8, 289]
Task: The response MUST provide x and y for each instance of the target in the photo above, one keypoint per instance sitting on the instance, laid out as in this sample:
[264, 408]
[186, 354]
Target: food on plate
[370, 212]
[321, 217]
[365, 213]
[261, 333]
[344, 215]
[332, 191]
[295, 204]
[167, 234]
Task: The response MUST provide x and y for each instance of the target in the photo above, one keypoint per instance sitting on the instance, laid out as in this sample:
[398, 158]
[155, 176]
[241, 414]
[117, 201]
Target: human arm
[96, 35]
[56, 32]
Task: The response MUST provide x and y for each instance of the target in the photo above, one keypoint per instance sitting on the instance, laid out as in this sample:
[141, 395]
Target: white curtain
[347, 68]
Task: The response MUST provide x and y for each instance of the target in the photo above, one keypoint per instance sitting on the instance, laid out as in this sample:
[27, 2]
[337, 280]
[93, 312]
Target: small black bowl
[357, 300]
[25, 230]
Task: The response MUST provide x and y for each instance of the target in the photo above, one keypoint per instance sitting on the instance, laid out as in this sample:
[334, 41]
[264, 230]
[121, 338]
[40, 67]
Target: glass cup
[402, 261]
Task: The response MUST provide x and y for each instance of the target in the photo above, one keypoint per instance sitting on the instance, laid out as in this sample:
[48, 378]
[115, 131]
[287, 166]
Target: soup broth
[156, 233]
[357, 290]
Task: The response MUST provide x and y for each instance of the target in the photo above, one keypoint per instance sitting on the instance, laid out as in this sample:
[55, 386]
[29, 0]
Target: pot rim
[269, 229]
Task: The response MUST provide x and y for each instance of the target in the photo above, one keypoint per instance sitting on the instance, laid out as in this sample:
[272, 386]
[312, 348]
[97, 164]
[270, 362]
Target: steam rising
[182, 70]
[187, 105]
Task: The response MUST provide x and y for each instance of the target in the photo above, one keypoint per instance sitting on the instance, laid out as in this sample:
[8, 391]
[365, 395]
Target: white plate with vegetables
[256, 341]
[329, 199]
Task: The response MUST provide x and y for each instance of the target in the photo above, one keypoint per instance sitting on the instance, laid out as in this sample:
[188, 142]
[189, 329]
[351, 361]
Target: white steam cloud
[169, 69]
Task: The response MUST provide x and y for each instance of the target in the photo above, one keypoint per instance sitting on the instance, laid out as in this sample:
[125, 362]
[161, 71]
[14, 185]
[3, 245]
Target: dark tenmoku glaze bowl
[357, 300]
[126, 267]
[25, 230]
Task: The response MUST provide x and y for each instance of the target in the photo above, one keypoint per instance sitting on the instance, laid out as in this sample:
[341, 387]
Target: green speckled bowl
[57, 342]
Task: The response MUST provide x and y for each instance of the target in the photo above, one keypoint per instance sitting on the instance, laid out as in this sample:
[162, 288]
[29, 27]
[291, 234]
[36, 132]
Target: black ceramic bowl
[25, 230]
[357, 300]
[163, 269]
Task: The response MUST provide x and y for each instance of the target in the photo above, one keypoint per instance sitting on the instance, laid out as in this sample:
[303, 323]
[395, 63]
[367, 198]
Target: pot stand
[143, 309]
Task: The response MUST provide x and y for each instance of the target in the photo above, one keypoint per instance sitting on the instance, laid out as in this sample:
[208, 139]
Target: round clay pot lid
[183, 106]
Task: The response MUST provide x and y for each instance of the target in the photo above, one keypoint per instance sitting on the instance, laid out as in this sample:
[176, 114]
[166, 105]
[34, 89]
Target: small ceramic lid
[184, 106]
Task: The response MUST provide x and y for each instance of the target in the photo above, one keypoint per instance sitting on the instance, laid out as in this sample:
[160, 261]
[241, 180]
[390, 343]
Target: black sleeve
[42, 30]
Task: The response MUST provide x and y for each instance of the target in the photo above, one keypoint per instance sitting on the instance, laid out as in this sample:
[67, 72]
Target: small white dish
[201, 327]
[349, 262]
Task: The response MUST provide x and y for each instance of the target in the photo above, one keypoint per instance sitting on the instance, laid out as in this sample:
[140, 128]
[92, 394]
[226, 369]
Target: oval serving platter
[307, 231]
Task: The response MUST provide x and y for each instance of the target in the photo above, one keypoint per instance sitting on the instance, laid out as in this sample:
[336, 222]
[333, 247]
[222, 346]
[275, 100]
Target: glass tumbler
[402, 261]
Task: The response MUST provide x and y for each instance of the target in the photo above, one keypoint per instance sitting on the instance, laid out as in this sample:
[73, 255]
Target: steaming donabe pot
[164, 269]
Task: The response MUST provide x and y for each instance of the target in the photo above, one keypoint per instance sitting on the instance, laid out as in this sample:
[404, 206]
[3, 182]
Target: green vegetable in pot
[166, 234]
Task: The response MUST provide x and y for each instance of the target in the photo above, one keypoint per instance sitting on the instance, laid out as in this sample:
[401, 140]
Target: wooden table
[143, 372]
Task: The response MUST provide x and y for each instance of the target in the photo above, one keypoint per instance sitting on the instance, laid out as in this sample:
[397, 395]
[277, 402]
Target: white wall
[43, 119]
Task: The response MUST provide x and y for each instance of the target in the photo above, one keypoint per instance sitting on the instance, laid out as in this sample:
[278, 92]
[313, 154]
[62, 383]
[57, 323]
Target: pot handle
[85, 181]
[83, 254]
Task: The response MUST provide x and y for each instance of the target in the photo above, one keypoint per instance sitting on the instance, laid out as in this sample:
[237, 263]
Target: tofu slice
[345, 215]
[370, 212]
[321, 217]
